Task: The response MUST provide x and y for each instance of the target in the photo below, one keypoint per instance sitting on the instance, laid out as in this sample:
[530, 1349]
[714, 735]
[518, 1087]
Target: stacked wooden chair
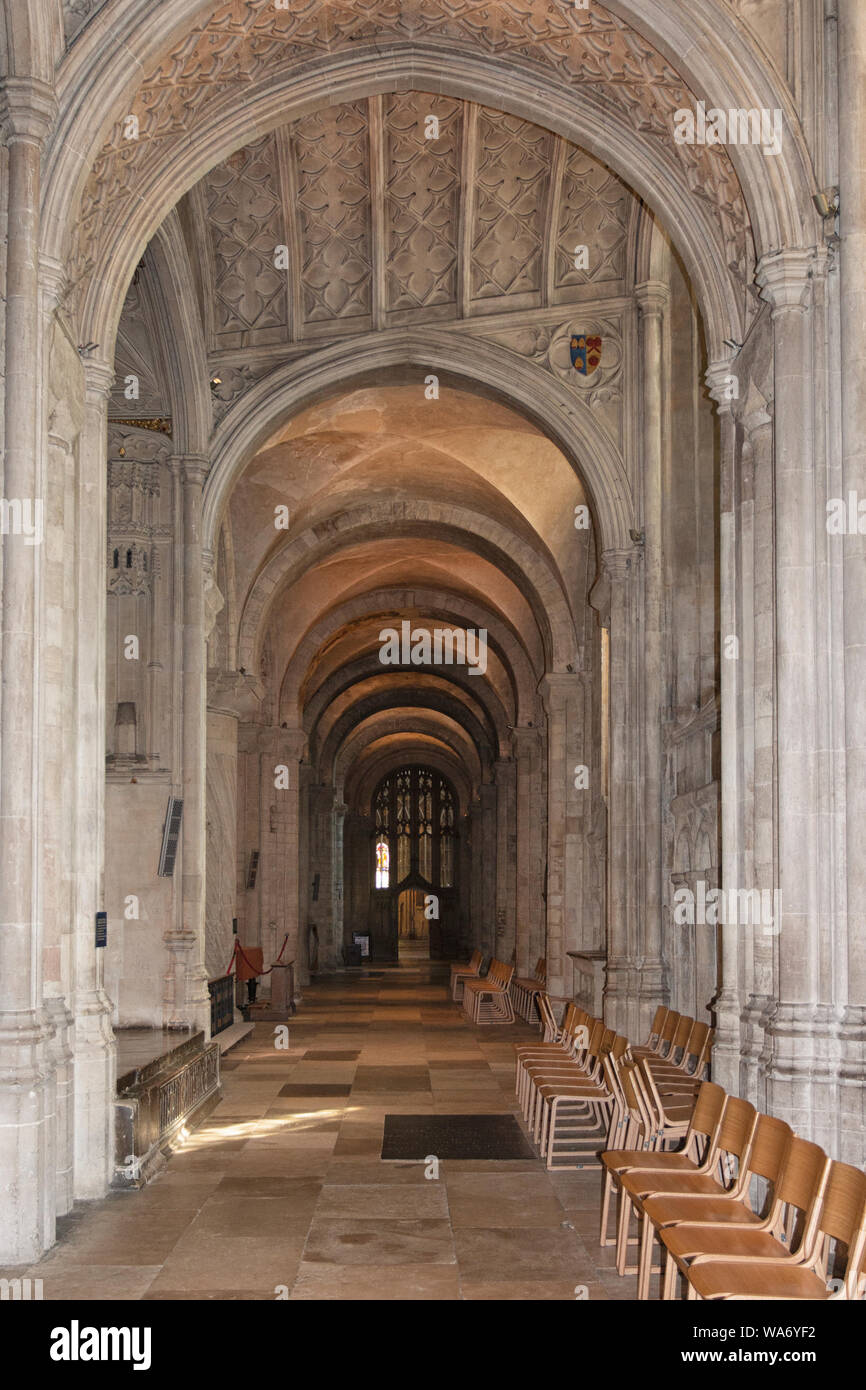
[566, 1086]
[744, 1209]
[488, 1000]
[526, 989]
[464, 971]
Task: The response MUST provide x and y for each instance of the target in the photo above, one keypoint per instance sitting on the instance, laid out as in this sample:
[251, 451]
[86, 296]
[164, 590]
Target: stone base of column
[63, 1061]
[27, 1153]
[727, 1047]
[198, 999]
[802, 1073]
[653, 990]
[852, 1087]
[621, 987]
[95, 1084]
[754, 1054]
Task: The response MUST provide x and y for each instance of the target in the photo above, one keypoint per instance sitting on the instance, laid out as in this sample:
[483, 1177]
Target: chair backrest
[475, 961]
[840, 1220]
[620, 1047]
[706, 1122]
[596, 1033]
[737, 1130]
[505, 976]
[842, 1208]
[666, 1032]
[698, 1043]
[659, 1017]
[770, 1149]
[540, 971]
[639, 1105]
[682, 1033]
[800, 1190]
[548, 1021]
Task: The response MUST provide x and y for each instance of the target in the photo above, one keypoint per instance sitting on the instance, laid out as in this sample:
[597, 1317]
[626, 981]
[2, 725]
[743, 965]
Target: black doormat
[454, 1136]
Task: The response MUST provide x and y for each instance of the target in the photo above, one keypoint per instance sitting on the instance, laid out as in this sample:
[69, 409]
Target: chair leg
[606, 1189]
[670, 1280]
[644, 1268]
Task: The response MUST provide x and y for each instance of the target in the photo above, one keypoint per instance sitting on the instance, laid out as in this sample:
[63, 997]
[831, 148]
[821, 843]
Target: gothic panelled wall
[692, 651]
[222, 828]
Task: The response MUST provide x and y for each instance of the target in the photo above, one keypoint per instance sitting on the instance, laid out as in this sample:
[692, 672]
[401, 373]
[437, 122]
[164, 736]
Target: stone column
[652, 299]
[483, 869]
[26, 1071]
[57, 725]
[471, 888]
[279, 753]
[563, 698]
[338, 890]
[622, 977]
[758, 735]
[188, 944]
[529, 917]
[727, 1004]
[852, 196]
[801, 1073]
[504, 938]
[94, 1044]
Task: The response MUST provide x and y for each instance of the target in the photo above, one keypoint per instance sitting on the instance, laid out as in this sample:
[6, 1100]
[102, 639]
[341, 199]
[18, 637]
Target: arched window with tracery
[415, 826]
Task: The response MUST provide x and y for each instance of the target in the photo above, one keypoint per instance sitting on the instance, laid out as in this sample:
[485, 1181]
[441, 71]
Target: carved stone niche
[130, 568]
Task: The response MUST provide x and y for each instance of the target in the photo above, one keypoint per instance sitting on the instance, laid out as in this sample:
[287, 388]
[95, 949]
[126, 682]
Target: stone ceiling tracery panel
[246, 222]
[239, 45]
[423, 186]
[429, 207]
[332, 151]
[512, 190]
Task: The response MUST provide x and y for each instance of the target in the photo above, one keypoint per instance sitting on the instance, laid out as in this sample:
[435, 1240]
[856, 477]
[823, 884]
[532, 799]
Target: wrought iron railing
[222, 1003]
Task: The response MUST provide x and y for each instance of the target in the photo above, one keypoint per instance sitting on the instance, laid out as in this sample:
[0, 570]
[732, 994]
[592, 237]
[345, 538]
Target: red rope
[239, 951]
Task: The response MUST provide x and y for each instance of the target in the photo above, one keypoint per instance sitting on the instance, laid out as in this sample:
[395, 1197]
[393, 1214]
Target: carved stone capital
[618, 564]
[28, 109]
[718, 377]
[231, 692]
[192, 468]
[785, 279]
[556, 686]
[98, 381]
[653, 298]
[754, 414]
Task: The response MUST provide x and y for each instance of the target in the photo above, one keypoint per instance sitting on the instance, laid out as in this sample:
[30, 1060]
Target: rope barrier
[239, 951]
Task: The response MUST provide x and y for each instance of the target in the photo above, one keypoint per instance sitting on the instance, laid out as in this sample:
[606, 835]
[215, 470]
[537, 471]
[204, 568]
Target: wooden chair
[525, 990]
[574, 1115]
[841, 1221]
[663, 1040]
[688, 1072]
[735, 1139]
[698, 1155]
[462, 972]
[558, 1046]
[568, 1064]
[488, 1000]
[659, 1017]
[735, 1232]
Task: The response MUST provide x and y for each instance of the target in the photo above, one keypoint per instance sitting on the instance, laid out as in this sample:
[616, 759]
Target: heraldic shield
[585, 353]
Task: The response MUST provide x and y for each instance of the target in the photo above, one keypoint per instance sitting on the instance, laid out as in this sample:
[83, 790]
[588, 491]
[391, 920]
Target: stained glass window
[382, 862]
[415, 816]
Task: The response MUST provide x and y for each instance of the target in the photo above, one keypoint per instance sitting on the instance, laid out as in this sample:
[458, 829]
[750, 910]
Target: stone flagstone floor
[285, 1194]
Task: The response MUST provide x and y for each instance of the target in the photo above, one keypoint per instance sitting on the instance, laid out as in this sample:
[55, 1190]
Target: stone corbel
[785, 278]
[718, 377]
[231, 692]
[213, 598]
